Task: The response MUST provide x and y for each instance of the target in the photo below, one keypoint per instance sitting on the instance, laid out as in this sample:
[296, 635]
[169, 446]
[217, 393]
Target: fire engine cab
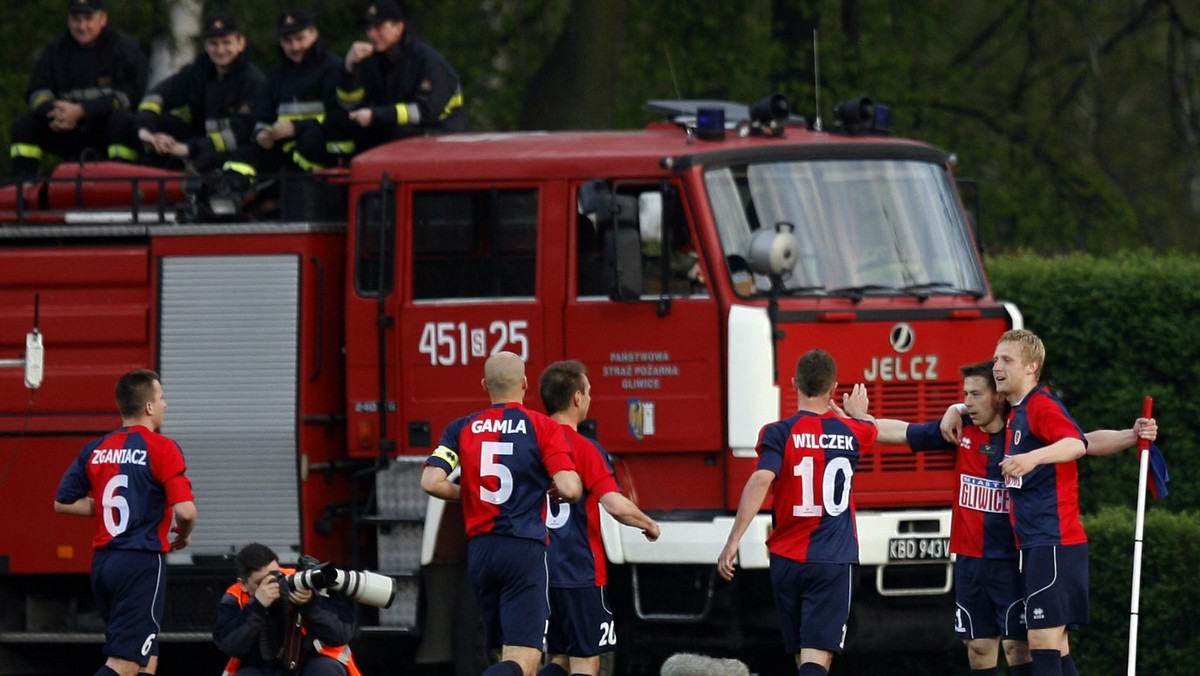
[313, 346]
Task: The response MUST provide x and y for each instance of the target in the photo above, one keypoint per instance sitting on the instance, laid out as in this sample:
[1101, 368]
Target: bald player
[509, 456]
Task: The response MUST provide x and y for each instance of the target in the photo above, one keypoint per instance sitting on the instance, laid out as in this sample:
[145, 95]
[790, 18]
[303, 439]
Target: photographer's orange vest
[340, 653]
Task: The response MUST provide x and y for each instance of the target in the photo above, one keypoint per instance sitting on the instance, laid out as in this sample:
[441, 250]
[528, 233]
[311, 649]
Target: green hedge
[1117, 329]
[1168, 642]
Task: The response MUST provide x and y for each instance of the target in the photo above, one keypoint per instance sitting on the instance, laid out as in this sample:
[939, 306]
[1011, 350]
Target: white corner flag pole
[1143, 472]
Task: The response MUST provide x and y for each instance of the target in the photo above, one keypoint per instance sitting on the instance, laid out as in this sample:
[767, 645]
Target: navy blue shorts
[511, 581]
[130, 589]
[989, 598]
[1056, 585]
[813, 601]
[581, 622]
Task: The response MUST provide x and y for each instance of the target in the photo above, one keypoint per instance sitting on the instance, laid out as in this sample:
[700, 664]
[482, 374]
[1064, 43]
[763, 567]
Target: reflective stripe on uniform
[223, 141]
[36, 99]
[351, 97]
[25, 150]
[319, 117]
[152, 103]
[118, 151]
[407, 114]
[455, 101]
[243, 168]
[340, 147]
[304, 163]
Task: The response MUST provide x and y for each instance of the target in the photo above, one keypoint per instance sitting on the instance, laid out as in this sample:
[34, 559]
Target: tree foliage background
[1079, 118]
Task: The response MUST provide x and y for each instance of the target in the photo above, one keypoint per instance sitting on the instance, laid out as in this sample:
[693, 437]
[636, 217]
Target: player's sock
[812, 669]
[1046, 662]
[1068, 666]
[1021, 669]
[994, 671]
[506, 668]
[105, 670]
[552, 669]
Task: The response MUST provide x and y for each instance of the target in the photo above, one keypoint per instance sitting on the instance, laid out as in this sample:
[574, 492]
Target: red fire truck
[313, 346]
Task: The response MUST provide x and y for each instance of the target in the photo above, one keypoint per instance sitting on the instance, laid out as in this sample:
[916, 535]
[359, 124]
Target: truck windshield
[864, 227]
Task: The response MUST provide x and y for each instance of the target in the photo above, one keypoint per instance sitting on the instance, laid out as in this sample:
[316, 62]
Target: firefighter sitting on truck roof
[304, 635]
[394, 86]
[206, 110]
[289, 113]
[81, 94]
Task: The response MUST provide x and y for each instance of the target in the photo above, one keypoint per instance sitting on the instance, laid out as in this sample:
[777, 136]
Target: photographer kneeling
[304, 636]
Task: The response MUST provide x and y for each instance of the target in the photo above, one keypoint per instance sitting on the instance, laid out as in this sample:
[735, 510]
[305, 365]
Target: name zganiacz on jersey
[119, 456]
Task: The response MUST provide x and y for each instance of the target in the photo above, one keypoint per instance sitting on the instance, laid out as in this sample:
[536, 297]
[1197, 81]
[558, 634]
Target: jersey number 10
[833, 504]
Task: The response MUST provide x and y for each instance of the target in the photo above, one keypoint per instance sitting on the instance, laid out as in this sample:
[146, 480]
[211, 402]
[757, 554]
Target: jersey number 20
[833, 468]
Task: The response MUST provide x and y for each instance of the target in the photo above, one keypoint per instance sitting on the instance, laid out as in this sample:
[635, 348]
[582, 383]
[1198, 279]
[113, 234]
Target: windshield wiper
[856, 293]
[917, 289]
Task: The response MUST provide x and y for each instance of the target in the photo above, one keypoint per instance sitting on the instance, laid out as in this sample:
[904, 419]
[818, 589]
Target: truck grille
[910, 401]
[915, 402]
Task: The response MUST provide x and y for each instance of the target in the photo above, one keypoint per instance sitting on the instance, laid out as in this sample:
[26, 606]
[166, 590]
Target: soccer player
[1041, 447]
[509, 456]
[989, 597]
[814, 546]
[140, 476]
[581, 621]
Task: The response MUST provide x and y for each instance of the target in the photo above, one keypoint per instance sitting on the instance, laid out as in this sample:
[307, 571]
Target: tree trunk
[171, 52]
[576, 87]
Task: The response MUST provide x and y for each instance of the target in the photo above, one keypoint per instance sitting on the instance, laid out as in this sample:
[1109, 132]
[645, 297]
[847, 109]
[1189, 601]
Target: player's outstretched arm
[891, 431]
[1107, 442]
[624, 510]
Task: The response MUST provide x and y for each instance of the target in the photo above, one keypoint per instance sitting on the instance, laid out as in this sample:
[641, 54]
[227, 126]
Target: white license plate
[919, 549]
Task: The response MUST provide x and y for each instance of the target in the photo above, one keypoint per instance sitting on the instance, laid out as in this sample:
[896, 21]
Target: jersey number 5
[808, 506]
[110, 502]
[489, 465]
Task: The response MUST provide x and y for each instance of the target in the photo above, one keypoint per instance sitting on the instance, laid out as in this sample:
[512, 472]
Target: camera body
[363, 586]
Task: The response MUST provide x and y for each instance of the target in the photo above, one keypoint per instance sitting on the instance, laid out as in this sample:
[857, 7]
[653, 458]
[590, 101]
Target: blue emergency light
[710, 124]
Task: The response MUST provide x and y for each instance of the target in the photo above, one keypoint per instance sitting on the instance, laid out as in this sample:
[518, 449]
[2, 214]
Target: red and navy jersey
[1045, 502]
[576, 555]
[508, 455]
[135, 475]
[980, 525]
[814, 458]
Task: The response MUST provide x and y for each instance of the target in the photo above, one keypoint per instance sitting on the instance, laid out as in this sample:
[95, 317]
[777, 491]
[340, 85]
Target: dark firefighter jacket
[410, 86]
[219, 110]
[109, 76]
[301, 92]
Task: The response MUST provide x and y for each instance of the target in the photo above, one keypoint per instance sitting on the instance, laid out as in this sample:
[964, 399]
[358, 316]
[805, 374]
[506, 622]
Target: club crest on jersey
[503, 426]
